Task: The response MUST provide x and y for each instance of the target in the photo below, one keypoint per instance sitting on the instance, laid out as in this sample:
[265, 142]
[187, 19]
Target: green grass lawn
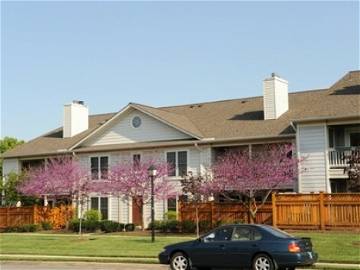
[331, 246]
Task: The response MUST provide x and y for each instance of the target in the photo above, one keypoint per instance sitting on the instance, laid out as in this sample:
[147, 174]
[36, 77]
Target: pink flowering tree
[253, 175]
[59, 177]
[132, 180]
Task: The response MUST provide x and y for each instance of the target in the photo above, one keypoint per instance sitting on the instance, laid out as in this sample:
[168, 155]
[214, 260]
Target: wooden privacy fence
[287, 211]
[58, 217]
[223, 212]
[320, 211]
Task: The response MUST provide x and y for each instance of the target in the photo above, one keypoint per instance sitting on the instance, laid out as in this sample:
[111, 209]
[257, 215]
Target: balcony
[337, 156]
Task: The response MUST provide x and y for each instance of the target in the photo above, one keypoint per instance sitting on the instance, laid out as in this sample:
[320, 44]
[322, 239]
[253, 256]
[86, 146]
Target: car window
[223, 233]
[245, 234]
[278, 233]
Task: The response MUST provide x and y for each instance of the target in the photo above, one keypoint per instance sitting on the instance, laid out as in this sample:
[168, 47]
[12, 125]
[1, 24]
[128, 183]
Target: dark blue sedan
[259, 247]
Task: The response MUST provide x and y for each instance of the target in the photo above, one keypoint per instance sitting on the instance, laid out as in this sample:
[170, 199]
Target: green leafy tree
[11, 196]
[8, 192]
[353, 170]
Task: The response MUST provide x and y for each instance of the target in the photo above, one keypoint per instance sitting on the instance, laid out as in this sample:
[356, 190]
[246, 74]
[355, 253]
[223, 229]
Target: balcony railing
[337, 156]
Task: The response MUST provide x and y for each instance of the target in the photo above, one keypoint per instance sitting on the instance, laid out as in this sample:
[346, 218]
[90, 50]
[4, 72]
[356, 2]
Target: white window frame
[176, 161]
[99, 166]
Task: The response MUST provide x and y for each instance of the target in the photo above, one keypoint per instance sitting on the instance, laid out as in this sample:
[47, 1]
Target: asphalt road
[13, 265]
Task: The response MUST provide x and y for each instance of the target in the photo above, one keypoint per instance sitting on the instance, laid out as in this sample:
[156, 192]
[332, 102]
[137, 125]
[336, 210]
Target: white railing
[337, 156]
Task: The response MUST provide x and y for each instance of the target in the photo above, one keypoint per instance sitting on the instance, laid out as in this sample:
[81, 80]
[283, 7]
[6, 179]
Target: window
[245, 234]
[99, 167]
[100, 204]
[136, 159]
[355, 139]
[136, 122]
[171, 204]
[182, 163]
[178, 162]
[223, 234]
[171, 159]
[338, 185]
[277, 232]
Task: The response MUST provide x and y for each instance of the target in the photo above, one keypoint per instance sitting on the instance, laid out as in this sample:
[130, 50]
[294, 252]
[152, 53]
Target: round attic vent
[136, 122]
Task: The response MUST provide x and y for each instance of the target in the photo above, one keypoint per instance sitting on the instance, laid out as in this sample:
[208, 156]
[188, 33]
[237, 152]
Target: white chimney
[276, 100]
[76, 118]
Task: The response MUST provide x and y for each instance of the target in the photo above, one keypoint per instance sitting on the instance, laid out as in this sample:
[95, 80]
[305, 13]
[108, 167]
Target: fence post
[274, 213]
[7, 216]
[212, 214]
[179, 214]
[34, 214]
[322, 210]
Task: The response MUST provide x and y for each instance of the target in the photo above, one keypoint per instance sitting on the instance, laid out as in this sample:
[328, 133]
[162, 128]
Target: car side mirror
[209, 238]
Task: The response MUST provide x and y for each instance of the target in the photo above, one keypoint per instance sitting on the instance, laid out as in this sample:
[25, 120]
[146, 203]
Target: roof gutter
[197, 144]
[326, 118]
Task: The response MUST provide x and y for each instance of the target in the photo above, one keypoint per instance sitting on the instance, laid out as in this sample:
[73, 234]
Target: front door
[137, 208]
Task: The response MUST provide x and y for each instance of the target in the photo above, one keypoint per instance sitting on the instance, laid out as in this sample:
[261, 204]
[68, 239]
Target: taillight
[294, 247]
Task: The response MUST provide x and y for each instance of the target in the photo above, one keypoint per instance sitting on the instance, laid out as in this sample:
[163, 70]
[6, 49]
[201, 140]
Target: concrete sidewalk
[55, 258]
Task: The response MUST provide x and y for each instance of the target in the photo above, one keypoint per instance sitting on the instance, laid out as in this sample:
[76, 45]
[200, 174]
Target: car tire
[262, 262]
[179, 261]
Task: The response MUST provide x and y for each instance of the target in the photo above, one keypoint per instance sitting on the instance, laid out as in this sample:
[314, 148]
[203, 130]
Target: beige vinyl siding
[160, 210]
[150, 129]
[311, 147]
[119, 209]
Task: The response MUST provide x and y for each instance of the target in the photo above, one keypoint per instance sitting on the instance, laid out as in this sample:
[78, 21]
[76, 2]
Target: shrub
[170, 215]
[22, 228]
[130, 227]
[91, 225]
[110, 226]
[188, 226]
[86, 225]
[92, 214]
[10, 229]
[172, 226]
[204, 225]
[45, 225]
[121, 227]
[74, 225]
[158, 225]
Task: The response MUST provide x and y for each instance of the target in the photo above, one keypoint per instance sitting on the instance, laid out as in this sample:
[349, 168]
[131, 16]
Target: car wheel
[179, 261]
[262, 262]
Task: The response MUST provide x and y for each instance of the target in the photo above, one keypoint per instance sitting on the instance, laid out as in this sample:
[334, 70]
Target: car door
[211, 249]
[244, 243]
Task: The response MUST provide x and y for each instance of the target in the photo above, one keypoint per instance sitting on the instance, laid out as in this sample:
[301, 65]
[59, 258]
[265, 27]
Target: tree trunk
[250, 214]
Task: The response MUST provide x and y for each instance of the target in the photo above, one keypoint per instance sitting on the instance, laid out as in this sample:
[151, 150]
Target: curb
[27, 257]
[336, 266]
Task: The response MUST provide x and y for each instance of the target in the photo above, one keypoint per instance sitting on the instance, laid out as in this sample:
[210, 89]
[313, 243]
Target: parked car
[259, 247]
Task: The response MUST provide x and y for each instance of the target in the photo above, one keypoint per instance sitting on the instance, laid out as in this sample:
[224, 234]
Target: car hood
[181, 244]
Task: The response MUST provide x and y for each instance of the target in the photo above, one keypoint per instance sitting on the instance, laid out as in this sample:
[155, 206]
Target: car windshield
[278, 233]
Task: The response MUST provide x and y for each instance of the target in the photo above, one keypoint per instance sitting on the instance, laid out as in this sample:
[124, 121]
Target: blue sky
[163, 53]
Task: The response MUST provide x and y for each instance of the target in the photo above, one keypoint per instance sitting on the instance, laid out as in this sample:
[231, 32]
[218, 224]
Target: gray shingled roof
[237, 118]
